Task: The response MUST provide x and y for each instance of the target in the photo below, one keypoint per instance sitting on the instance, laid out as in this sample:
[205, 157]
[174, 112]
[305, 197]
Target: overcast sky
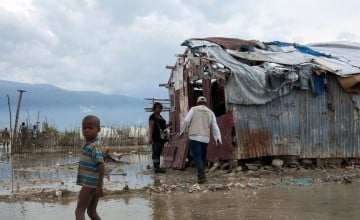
[119, 47]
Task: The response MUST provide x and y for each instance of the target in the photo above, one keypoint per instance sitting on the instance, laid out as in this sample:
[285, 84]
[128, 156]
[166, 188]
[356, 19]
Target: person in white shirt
[199, 122]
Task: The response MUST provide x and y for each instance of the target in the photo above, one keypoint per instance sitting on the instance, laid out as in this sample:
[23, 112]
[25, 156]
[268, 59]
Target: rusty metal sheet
[226, 150]
[230, 43]
[174, 117]
[301, 124]
[181, 151]
[174, 154]
[207, 91]
[255, 139]
[168, 154]
[273, 129]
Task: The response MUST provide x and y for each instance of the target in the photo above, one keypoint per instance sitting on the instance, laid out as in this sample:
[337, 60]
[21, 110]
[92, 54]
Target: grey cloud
[123, 46]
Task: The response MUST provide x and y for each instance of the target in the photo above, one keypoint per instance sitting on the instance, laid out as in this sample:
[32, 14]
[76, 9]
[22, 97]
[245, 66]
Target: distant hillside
[48, 95]
[65, 109]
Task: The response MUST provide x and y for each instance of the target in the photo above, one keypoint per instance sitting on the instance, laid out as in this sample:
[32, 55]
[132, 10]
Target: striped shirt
[88, 171]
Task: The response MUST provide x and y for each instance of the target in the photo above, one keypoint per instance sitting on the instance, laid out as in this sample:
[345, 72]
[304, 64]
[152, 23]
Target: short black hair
[93, 118]
[157, 104]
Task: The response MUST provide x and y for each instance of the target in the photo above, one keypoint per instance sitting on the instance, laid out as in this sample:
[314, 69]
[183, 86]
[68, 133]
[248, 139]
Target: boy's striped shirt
[88, 172]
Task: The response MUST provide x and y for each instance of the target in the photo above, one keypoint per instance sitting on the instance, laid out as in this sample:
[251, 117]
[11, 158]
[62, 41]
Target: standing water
[54, 170]
[328, 201]
[336, 201]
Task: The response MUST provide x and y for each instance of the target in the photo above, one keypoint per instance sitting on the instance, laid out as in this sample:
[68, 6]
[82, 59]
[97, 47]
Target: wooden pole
[11, 140]
[16, 119]
[11, 147]
[37, 121]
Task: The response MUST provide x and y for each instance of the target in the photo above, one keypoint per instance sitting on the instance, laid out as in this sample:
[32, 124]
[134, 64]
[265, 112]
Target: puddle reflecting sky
[49, 170]
[325, 202]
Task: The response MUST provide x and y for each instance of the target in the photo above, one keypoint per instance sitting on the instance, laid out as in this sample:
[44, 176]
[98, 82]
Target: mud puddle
[25, 172]
[333, 201]
[264, 194]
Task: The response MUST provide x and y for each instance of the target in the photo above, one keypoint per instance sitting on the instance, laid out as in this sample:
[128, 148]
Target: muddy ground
[220, 177]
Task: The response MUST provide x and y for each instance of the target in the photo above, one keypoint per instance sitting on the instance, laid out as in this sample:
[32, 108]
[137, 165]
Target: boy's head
[90, 127]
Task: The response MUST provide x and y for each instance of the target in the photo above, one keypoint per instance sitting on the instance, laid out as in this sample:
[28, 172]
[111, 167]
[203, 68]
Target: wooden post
[11, 147]
[11, 144]
[16, 120]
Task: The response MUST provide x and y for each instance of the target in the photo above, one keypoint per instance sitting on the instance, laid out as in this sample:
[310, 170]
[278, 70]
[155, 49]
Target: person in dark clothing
[5, 135]
[156, 125]
[34, 132]
[23, 130]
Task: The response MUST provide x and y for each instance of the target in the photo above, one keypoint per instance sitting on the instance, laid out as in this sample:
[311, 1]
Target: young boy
[91, 170]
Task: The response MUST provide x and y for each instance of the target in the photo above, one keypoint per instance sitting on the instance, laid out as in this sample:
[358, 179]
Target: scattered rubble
[248, 177]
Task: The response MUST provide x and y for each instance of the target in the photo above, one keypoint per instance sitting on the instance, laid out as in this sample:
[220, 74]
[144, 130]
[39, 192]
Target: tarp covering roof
[263, 71]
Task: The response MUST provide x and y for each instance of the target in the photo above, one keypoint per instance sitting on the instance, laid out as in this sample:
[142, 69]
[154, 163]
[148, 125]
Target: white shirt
[214, 128]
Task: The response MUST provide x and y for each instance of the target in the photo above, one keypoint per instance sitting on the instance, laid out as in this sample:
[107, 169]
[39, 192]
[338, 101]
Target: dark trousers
[157, 148]
[199, 151]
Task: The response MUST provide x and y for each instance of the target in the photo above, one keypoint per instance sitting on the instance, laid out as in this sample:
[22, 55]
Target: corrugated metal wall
[301, 124]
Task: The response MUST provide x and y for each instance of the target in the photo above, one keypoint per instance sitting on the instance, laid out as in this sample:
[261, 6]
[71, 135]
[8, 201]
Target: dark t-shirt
[158, 121]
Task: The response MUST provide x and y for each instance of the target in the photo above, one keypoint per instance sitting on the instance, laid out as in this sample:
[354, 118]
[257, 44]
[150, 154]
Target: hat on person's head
[201, 99]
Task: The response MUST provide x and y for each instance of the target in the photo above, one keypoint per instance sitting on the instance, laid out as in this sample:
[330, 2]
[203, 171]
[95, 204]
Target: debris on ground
[250, 176]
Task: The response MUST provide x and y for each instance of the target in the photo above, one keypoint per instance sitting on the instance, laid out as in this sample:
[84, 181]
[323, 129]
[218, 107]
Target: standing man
[23, 133]
[5, 135]
[199, 121]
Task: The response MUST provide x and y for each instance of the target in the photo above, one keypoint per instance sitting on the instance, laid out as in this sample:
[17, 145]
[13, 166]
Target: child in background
[91, 170]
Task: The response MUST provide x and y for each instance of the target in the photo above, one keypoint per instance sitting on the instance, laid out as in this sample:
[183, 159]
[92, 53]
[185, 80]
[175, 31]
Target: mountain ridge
[65, 108]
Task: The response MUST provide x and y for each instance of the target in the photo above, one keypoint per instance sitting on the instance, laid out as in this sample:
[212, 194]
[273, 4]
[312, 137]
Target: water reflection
[334, 201]
[49, 170]
[338, 201]
[134, 166]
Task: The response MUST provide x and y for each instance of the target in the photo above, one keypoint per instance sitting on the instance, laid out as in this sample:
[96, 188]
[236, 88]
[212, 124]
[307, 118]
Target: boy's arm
[99, 190]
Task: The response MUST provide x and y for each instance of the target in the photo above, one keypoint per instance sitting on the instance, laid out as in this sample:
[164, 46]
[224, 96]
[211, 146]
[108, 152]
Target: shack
[271, 99]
